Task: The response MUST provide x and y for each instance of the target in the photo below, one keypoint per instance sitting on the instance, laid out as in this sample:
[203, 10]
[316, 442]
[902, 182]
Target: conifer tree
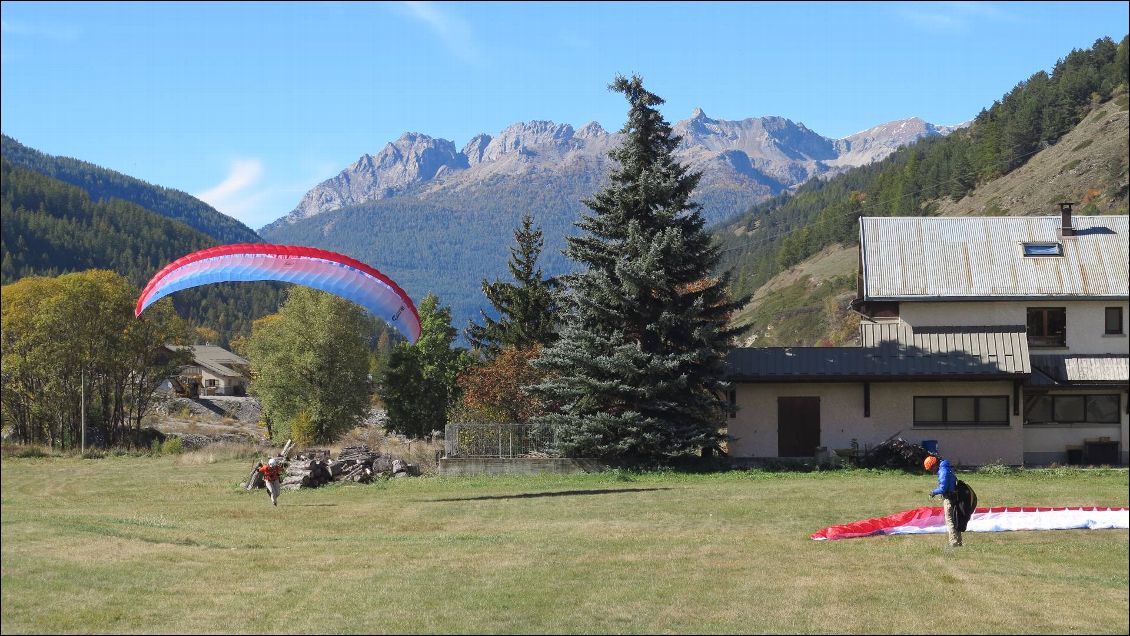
[526, 309]
[638, 371]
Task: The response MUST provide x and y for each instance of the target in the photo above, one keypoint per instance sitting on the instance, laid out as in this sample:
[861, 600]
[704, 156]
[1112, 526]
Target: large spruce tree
[526, 310]
[638, 371]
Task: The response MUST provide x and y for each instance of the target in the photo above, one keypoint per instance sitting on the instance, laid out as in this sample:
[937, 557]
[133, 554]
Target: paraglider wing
[931, 520]
[312, 267]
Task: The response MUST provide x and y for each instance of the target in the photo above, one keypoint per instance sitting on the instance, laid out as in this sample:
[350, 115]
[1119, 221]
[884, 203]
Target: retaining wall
[517, 466]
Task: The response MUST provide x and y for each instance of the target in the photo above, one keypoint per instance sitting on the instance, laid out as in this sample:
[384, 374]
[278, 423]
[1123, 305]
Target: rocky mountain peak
[759, 156]
[528, 139]
[876, 143]
[412, 159]
[475, 148]
[590, 130]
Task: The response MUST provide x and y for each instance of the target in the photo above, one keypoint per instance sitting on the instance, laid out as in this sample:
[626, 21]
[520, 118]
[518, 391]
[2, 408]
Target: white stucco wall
[224, 385]
[753, 433]
[1086, 320]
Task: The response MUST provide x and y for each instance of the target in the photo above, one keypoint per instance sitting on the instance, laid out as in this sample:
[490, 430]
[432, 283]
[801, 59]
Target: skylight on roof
[1043, 249]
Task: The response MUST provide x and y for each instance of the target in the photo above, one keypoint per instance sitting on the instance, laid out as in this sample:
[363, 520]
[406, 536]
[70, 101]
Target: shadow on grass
[558, 493]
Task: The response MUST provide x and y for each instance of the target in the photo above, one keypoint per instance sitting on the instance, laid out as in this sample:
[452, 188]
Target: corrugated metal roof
[1003, 346]
[929, 258]
[216, 359]
[893, 351]
[1064, 369]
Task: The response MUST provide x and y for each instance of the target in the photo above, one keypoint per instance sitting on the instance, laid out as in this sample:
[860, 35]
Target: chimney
[1066, 227]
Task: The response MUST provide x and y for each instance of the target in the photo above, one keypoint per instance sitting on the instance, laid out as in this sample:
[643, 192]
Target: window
[961, 410]
[1102, 408]
[1047, 326]
[1069, 408]
[1113, 321]
[1043, 249]
[1072, 409]
[209, 383]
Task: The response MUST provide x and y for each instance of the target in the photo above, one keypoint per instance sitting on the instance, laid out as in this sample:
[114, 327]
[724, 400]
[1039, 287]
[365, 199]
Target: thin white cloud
[248, 193]
[952, 16]
[48, 31]
[239, 195]
[576, 42]
[980, 10]
[453, 31]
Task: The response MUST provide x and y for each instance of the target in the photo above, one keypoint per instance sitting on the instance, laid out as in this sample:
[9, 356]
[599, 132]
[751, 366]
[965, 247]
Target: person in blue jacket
[947, 488]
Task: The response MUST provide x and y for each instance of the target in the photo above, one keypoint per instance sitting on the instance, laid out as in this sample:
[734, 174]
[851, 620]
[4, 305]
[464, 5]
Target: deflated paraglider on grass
[931, 520]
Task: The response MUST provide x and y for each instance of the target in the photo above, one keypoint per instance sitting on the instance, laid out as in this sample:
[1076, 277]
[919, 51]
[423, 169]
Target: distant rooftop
[989, 258]
[216, 359]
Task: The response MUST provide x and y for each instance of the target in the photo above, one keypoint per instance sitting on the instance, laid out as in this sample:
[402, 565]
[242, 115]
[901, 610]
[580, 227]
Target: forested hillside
[423, 247]
[51, 228]
[102, 184]
[783, 232]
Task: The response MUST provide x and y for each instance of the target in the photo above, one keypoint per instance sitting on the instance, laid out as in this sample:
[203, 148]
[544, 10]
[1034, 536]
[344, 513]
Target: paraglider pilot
[270, 473]
[959, 500]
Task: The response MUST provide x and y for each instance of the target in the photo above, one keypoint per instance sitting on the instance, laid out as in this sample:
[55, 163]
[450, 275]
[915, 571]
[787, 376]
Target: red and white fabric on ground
[931, 520]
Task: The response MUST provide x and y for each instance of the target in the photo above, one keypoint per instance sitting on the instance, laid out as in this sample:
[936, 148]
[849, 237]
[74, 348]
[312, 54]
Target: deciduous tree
[419, 383]
[311, 360]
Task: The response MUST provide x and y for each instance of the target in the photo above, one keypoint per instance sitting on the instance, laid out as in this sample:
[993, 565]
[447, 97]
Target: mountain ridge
[103, 183]
[762, 156]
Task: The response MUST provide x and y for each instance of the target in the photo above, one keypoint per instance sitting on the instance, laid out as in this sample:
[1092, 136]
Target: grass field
[173, 545]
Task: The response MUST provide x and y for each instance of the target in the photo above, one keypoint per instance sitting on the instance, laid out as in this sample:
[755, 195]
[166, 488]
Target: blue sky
[249, 105]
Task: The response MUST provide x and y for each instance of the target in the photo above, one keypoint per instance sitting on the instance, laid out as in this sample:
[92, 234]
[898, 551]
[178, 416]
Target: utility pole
[82, 406]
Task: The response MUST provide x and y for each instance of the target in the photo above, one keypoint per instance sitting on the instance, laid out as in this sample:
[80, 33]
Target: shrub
[172, 446]
[302, 430]
[997, 469]
[31, 451]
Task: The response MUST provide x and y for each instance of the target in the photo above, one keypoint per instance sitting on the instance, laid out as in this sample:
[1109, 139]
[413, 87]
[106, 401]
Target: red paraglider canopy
[309, 266]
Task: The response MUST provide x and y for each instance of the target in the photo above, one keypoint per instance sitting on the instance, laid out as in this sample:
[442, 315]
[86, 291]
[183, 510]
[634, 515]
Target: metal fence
[498, 440]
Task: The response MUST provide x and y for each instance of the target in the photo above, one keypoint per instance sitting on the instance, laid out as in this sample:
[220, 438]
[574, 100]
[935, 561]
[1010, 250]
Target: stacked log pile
[361, 464]
[358, 464]
[308, 469]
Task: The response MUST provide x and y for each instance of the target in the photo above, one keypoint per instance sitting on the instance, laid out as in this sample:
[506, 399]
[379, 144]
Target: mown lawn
[160, 545]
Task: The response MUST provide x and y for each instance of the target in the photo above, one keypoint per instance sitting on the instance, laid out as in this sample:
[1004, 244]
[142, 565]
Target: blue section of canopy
[336, 278]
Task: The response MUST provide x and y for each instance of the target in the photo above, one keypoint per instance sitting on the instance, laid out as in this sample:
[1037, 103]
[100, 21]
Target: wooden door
[798, 426]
